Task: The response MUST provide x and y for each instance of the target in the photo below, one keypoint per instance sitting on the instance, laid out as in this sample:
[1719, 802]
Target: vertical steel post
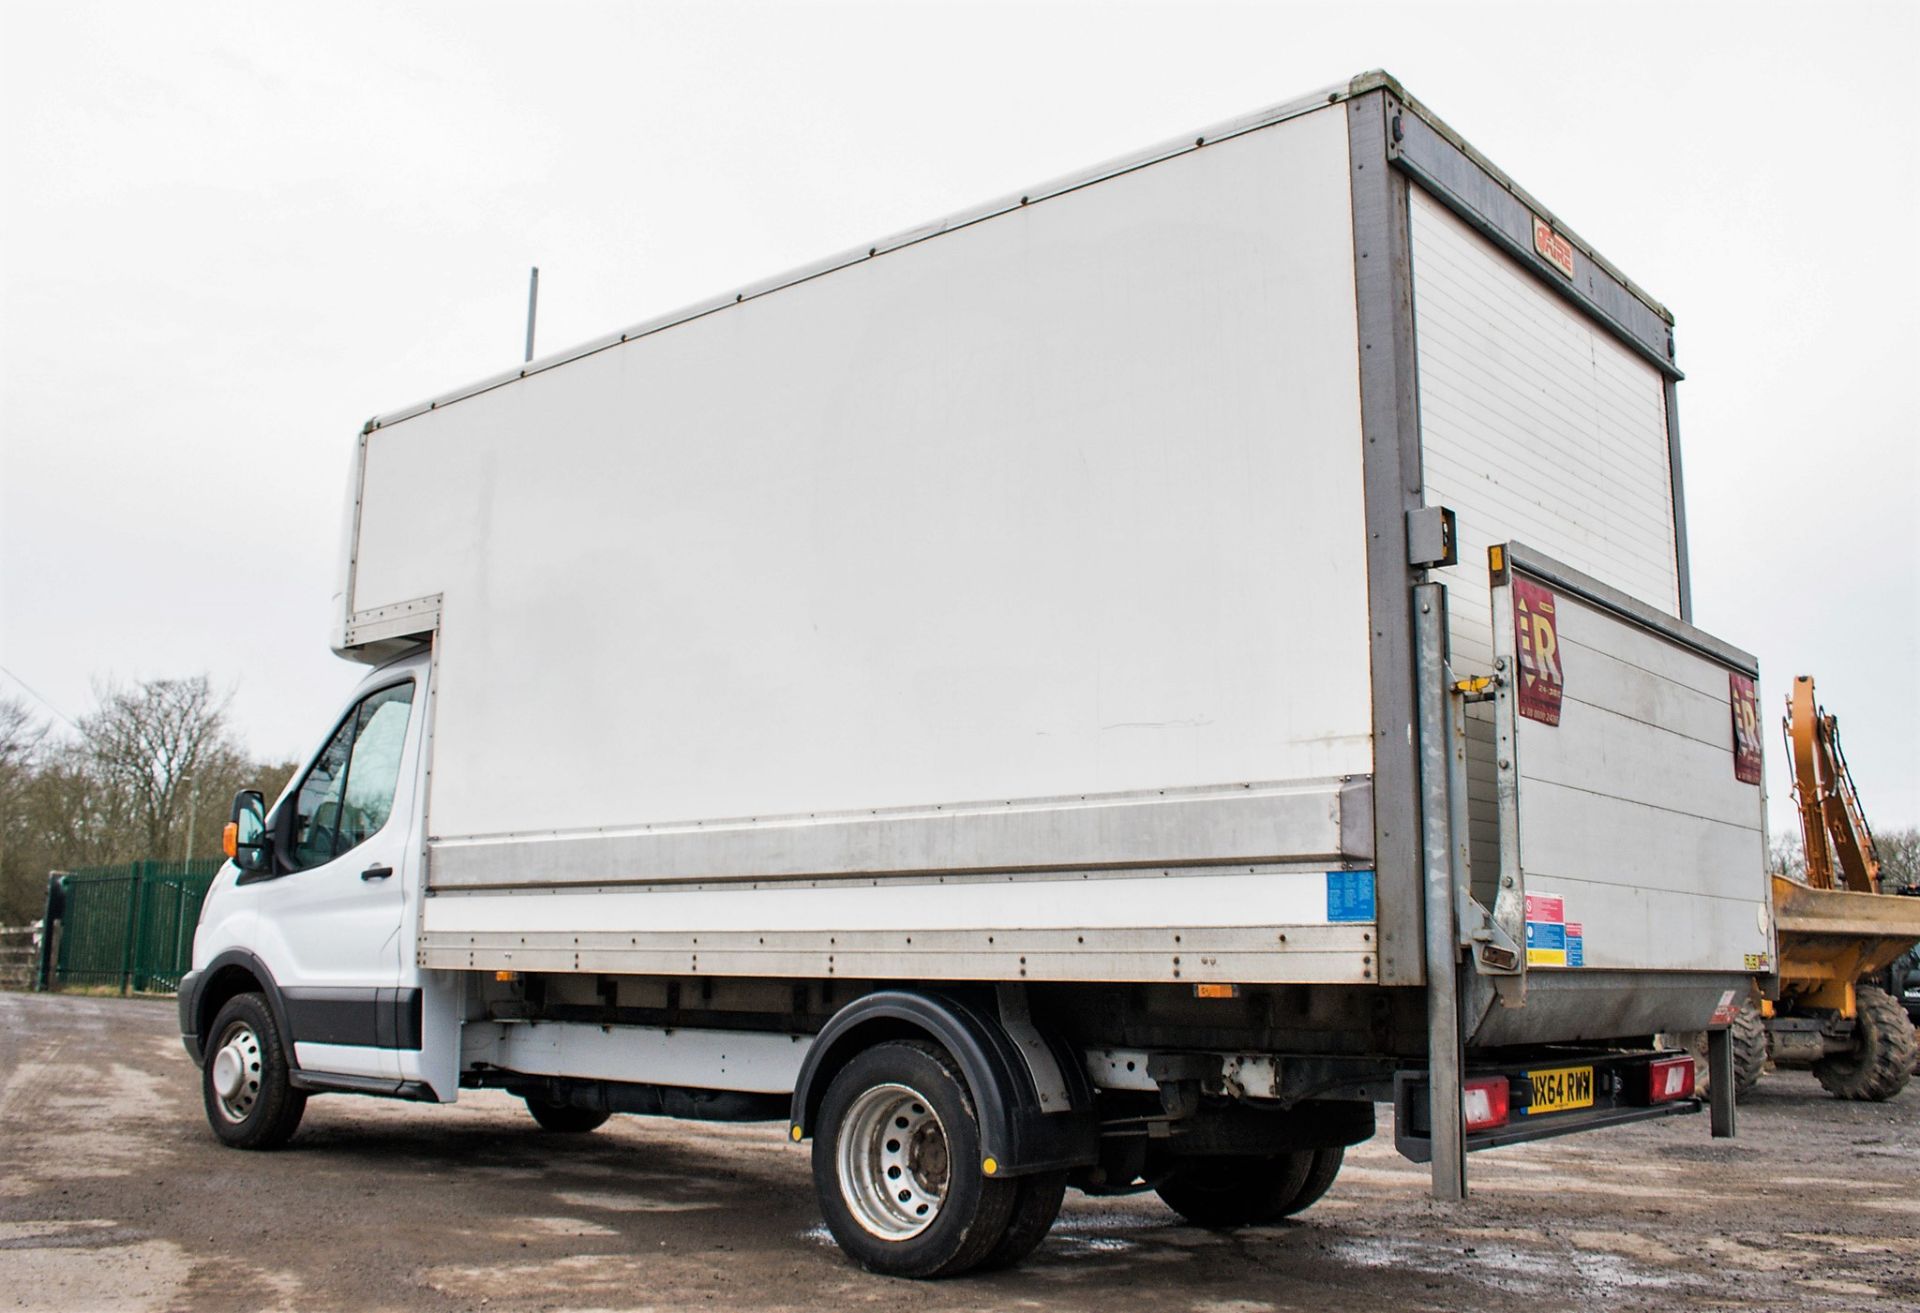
[1720, 1082]
[1444, 1057]
[533, 306]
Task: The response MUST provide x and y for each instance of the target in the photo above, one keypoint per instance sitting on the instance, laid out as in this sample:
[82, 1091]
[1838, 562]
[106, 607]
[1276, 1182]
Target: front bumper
[189, 998]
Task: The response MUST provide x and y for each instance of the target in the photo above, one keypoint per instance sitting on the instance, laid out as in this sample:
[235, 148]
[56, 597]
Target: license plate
[1560, 1089]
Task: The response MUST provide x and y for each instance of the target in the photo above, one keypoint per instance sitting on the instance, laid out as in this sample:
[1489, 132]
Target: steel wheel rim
[894, 1161]
[235, 1071]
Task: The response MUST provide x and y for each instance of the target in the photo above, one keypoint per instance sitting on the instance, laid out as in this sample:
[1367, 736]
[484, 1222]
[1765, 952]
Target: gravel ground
[114, 1195]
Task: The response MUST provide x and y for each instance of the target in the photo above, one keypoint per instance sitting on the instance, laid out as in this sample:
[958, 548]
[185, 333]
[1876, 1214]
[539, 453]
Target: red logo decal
[1746, 729]
[1537, 642]
[1552, 247]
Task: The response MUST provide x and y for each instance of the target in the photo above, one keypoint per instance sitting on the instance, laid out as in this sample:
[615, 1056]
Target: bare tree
[149, 742]
[1785, 856]
[1899, 854]
[20, 734]
[150, 775]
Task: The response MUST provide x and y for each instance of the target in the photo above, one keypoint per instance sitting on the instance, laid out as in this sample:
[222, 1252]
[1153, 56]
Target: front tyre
[897, 1166]
[245, 1079]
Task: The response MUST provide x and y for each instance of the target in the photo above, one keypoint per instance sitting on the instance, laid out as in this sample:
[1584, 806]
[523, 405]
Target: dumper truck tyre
[1881, 1061]
[565, 1119]
[1222, 1193]
[1034, 1209]
[246, 1080]
[898, 1168]
[1749, 1034]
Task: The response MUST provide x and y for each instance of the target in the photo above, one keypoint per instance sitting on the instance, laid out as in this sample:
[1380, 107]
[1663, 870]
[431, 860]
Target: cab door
[330, 909]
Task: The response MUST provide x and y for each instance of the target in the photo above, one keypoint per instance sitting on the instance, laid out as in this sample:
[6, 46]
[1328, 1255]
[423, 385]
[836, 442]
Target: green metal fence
[131, 927]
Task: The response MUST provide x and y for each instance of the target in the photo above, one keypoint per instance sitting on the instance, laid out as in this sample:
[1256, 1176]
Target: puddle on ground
[1515, 1270]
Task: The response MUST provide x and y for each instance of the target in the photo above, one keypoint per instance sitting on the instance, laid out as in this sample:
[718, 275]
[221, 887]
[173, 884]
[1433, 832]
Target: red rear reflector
[1485, 1102]
[1669, 1079]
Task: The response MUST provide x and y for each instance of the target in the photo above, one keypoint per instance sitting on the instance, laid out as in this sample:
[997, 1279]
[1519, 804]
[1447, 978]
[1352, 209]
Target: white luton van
[1102, 690]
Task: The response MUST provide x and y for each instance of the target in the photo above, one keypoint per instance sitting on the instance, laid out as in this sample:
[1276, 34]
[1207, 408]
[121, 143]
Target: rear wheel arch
[1013, 1129]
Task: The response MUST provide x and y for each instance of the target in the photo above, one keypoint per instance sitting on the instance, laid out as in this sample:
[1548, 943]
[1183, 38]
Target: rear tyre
[1749, 1048]
[1326, 1166]
[245, 1078]
[897, 1165]
[1881, 1060]
[1035, 1206]
[564, 1119]
[1223, 1193]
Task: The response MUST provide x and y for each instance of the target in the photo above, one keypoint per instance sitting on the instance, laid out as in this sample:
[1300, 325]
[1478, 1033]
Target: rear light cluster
[1484, 1101]
[1669, 1079]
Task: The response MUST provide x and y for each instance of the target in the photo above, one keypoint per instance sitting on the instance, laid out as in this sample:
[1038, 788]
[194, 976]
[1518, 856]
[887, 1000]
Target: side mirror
[246, 835]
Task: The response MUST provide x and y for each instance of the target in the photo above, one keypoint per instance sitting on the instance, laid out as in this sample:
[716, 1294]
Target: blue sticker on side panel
[1349, 895]
[1576, 947]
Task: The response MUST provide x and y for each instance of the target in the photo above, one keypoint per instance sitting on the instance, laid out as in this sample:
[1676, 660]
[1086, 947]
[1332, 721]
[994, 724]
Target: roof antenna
[533, 306]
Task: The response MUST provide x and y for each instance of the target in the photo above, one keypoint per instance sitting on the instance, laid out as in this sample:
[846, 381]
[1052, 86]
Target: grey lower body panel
[1581, 1006]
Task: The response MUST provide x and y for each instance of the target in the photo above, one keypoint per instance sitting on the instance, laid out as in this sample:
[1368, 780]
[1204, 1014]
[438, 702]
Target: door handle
[376, 873]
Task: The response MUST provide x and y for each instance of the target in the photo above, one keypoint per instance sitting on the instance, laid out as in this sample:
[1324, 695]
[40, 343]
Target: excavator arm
[1833, 828]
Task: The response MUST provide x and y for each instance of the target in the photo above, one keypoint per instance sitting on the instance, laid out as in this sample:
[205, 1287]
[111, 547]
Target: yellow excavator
[1837, 935]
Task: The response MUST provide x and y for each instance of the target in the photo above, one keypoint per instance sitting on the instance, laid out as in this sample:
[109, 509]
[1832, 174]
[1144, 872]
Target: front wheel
[245, 1080]
[897, 1166]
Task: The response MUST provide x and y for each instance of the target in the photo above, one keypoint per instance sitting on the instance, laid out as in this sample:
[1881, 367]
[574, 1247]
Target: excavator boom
[1833, 829]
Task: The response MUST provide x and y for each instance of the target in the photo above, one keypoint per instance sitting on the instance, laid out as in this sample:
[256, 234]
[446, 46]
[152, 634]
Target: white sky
[230, 233]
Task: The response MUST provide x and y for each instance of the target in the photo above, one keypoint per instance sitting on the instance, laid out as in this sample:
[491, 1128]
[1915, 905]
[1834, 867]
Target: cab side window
[348, 794]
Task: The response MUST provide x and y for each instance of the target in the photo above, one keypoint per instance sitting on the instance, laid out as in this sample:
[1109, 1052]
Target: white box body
[1024, 597]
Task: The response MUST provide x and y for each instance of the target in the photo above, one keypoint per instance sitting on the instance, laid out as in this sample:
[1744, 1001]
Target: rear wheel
[1320, 1176]
[1241, 1191]
[564, 1119]
[897, 1166]
[1035, 1207]
[245, 1080]
[1881, 1060]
